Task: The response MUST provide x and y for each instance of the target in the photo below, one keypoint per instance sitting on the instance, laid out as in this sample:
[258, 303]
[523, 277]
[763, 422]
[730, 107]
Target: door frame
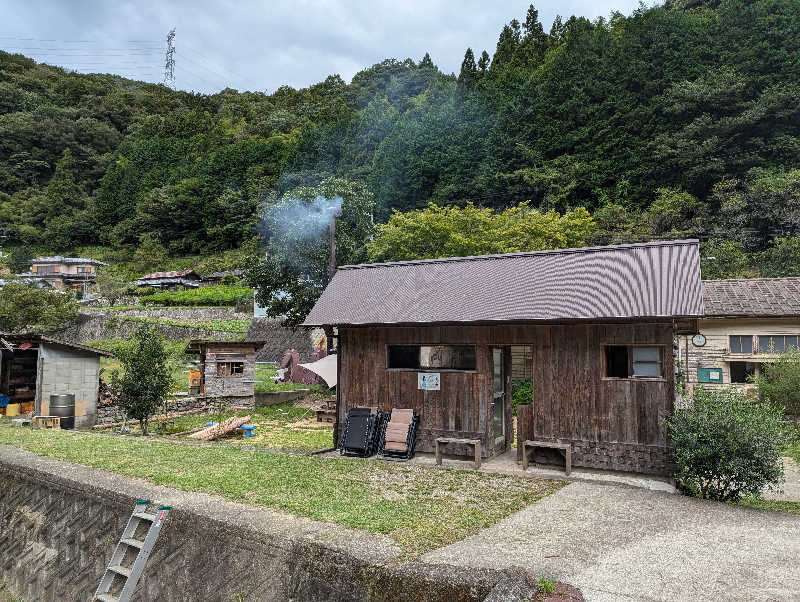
[501, 443]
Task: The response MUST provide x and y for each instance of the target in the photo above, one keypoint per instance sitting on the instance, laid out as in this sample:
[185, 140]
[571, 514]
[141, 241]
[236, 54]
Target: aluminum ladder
[130, 557]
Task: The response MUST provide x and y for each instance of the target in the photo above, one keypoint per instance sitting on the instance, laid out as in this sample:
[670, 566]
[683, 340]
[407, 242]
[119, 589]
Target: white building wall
[63, 370]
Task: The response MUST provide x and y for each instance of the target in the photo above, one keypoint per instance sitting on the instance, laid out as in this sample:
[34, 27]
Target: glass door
[498, 397]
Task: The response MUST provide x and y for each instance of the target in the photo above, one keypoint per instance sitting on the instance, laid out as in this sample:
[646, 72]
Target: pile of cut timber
[212, 432]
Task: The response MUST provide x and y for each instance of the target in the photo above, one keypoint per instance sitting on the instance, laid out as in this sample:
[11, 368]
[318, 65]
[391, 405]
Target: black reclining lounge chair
[399, 434]
[360, 432]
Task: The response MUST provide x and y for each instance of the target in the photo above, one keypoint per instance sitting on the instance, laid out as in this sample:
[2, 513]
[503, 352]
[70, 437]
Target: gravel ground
[619, 544]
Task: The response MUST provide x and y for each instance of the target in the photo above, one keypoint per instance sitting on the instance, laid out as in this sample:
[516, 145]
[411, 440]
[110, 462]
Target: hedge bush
[204, 295]
[727, 446]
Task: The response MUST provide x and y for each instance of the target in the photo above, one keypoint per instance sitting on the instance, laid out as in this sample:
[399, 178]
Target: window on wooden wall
[230, 368]
[742, 372]
[776, 343]
[741, 343]
[431, 357]
[634, 361]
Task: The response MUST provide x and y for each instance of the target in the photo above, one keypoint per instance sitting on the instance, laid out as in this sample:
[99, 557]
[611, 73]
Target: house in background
[170, 280]
[218, 277]
[64, 273]
[438, 336]
[747, 322]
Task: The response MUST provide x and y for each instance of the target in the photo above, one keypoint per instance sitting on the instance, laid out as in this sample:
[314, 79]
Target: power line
[241, 78]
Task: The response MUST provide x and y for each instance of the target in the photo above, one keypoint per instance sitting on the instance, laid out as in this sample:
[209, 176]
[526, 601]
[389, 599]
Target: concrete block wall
[61, 373]
[60, 522]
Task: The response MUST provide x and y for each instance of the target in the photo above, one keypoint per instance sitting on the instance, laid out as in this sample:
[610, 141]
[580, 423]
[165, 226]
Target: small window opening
[617, 361]
[742, 372]
[230, 368]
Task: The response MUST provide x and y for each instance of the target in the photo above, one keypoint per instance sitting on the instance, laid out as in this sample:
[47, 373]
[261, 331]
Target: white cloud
[263, 45]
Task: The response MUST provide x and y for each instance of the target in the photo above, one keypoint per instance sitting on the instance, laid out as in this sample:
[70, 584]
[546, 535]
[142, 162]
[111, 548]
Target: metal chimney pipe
[332, 257]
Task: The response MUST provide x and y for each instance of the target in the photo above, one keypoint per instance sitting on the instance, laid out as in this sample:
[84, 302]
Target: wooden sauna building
[598, 324]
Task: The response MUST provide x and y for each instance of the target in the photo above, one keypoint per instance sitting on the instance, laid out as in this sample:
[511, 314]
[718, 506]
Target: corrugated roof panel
[621, 281]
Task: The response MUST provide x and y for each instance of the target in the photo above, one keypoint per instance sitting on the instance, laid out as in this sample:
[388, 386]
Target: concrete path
[620, 544]
[790, 490]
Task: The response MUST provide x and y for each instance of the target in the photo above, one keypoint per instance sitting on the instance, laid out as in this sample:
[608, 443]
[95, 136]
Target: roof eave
[594, 320]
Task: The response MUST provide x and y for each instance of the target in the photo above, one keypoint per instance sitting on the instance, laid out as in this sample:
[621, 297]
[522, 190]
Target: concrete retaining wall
[276, 397]
[59, 524]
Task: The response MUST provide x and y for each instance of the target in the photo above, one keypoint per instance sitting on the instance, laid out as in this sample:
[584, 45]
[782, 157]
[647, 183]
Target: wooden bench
[475, 443]
[567, 447]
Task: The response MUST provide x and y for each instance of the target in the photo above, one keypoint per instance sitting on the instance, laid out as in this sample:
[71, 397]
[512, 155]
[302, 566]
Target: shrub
[779, 384]
[146, 379]
[206, 295]
[521, 393]
[727, 446]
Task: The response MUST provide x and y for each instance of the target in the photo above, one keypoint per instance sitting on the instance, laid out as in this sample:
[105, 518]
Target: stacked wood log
[213, 432]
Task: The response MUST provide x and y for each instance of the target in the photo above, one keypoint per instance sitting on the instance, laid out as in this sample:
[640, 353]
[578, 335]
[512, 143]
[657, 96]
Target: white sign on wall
[428, 381]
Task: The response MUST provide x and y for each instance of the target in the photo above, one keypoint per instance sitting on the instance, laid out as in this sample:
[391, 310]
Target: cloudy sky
[262, 45]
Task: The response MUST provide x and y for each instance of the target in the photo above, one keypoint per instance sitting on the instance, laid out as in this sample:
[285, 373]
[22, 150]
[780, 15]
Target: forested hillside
[682, 119]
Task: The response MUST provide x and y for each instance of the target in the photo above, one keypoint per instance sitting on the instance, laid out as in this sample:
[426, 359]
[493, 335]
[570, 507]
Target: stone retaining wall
[90, 326]
[109, 414]
[59, 524]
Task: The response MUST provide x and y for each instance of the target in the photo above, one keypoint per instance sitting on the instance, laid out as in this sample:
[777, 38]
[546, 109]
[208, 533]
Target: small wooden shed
[600, 324]
[227, 368]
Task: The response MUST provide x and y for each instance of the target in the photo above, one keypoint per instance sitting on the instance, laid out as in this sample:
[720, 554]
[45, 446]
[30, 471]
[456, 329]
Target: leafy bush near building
[779, 384]
[203, 296]
[727, 446]
[521, 393]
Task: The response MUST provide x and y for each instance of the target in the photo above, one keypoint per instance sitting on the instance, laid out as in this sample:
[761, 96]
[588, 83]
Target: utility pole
[169, 63]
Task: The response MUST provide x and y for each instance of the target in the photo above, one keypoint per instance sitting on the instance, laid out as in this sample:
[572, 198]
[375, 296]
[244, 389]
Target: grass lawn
[283, 427]
[420, 508]
[775, 505]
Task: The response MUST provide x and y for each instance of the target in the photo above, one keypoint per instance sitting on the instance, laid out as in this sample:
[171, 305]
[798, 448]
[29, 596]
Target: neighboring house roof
[60, 259]
[188, 274]
[636, 281]
[752, 297]
[221, 275]
[50, 340]
[275, 339]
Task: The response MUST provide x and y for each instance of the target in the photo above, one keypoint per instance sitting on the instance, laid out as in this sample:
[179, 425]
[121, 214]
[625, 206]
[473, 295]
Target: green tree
[145, 380]
[25, 307]
[469, 72]
[726, 446]
[150, 254]
[779, 384]
[470, 230]
[111, 285]
[675, 213]
[781, 259]
[721, 258]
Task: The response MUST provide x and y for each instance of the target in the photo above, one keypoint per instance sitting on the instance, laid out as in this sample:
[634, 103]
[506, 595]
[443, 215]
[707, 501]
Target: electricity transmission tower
[169, 64]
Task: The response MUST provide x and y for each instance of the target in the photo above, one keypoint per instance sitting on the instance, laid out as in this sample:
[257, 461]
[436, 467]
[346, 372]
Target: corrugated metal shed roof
[645, 280]
[23, 338]
[753, 297]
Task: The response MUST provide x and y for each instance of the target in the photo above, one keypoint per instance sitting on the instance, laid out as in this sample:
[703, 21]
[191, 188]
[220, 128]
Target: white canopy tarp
[324, 368]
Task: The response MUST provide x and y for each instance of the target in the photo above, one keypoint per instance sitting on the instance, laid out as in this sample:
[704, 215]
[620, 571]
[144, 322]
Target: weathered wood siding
[461, 408]
[229, 386]
[573, 401]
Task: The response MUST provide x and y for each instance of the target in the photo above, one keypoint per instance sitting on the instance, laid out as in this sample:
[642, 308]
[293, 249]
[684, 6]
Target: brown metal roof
[753, 297]
[645, 280]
